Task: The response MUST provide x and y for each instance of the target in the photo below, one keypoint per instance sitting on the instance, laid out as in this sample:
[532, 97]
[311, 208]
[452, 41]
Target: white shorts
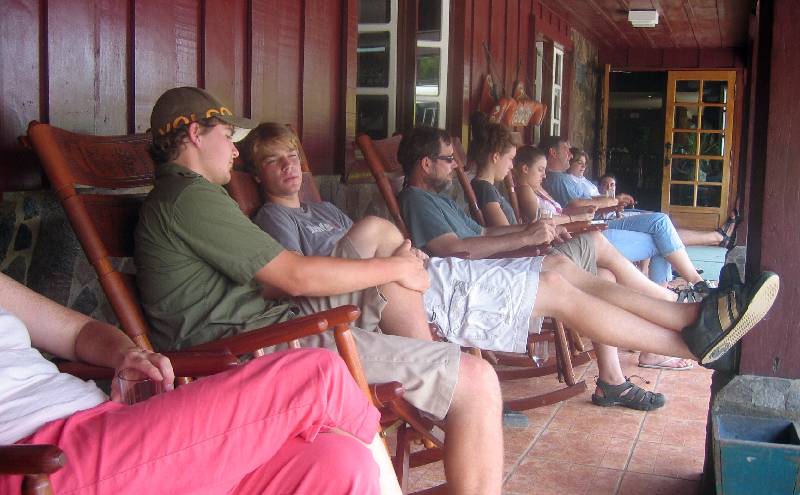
[484, 303]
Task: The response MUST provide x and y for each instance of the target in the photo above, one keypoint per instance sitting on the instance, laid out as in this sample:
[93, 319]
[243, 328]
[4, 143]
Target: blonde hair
[253, 148]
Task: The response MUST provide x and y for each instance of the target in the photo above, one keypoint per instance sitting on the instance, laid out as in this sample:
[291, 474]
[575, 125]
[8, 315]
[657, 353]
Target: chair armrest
[31, 459]
[185, 363]
[282, 332]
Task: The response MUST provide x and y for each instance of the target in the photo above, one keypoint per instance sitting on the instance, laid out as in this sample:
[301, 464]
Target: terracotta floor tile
[644, 484]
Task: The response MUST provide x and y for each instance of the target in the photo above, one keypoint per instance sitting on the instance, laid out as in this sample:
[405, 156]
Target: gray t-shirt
[486, 193]
[429, 216]
[312, 229]
[563, 188]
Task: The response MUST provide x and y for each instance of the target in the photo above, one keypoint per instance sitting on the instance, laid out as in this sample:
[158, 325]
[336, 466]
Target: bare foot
[657, 361]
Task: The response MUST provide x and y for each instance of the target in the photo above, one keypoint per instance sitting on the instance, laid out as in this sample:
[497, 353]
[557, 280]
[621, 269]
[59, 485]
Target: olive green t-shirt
[196, 255]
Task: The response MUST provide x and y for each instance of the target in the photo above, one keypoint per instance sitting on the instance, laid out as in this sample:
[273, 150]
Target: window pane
[373, 60]
[681, 195]
[714, 118]
[372, 115]
[715, 91]
[428, 71]
[710, 171]
[687, 91]
[429, 20]
[374, 11]
[684, 143]
[558, 68]
[426, 113]
[682, 169]
[709, 196]
[711, 144]
[685, 118]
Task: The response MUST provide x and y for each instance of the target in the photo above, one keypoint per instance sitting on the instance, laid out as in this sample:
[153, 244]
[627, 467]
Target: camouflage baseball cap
[182, 106]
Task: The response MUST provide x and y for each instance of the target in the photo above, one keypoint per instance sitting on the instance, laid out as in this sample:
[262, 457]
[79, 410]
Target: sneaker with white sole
[728, 313]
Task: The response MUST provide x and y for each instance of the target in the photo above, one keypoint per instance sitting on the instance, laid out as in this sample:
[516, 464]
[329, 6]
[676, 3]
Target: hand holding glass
[135, 386]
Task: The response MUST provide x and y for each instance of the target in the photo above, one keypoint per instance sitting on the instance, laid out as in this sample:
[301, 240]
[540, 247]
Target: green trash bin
[756, 456]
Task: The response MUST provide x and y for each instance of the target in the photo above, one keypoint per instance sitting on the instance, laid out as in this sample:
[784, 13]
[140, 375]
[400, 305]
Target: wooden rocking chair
[375, 152]
[101, 182]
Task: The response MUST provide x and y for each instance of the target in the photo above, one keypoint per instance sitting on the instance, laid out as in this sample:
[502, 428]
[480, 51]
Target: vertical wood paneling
[497, 40]
[321, 78]
[71, 65]
[772, 349]
[276, 50]
[480, 35]
[224, 49]
[111, 54]
[511, 43]
[19, 67]
[160, 58]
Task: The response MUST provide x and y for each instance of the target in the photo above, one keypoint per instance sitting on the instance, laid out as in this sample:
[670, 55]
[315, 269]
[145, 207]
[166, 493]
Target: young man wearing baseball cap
[205, 271]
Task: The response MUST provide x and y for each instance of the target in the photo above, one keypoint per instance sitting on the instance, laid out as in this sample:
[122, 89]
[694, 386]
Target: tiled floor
[578, 448]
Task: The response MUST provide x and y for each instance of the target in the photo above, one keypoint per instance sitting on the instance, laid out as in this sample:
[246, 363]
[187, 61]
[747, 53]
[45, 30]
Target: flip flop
[664, 365]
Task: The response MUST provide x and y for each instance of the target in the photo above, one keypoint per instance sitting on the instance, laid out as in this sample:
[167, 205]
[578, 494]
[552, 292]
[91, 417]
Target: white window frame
[537, 90]
[556, 100]
[391, 90]
[442, 45]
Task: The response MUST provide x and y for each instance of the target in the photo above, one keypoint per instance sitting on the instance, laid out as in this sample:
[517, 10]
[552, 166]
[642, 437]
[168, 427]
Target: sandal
[728, 230]
[629, 395]
[694, 292]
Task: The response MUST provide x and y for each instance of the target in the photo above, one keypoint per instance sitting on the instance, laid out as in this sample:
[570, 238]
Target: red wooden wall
[97, 66]
[510, 28]
[773, 243]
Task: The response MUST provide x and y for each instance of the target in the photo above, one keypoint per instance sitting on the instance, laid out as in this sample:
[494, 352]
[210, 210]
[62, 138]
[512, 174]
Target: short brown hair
[421, 142]
[166, 148]
[253, 148]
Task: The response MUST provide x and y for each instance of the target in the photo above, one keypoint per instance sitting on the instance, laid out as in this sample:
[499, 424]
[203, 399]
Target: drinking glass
[135, 386]
[545, 214]
[541, 353]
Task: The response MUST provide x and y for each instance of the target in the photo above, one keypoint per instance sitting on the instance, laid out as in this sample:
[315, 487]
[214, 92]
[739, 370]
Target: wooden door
[697, 147]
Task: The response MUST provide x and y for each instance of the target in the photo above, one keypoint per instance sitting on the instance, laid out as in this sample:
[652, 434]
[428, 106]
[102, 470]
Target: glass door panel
[699, 122]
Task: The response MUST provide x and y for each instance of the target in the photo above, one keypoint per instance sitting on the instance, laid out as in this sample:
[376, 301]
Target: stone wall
[584, 99]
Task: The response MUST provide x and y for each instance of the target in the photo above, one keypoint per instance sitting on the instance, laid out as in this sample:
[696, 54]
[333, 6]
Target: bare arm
[324, 276]
[494, 215]
[518, 236]
[72, 335]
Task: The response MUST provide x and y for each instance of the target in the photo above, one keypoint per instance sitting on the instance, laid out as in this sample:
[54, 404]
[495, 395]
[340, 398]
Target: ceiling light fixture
[643, 18]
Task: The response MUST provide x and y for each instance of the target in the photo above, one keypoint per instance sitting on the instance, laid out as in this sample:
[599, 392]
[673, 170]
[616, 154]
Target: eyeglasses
[446, 158]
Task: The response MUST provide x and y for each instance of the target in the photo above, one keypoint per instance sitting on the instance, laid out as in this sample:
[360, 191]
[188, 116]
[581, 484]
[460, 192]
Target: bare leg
[625, 272]
[627, 275]
[473, 456]
[665, 314]
[608, 368]
[474, 421]
[605, 322]
[699, 237]
[683, 265]
[405, 314]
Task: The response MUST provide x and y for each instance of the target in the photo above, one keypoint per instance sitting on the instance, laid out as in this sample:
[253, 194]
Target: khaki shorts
[580, 249]
[427, 370]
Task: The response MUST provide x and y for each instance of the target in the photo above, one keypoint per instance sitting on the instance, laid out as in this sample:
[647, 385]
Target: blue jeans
[649, 235]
